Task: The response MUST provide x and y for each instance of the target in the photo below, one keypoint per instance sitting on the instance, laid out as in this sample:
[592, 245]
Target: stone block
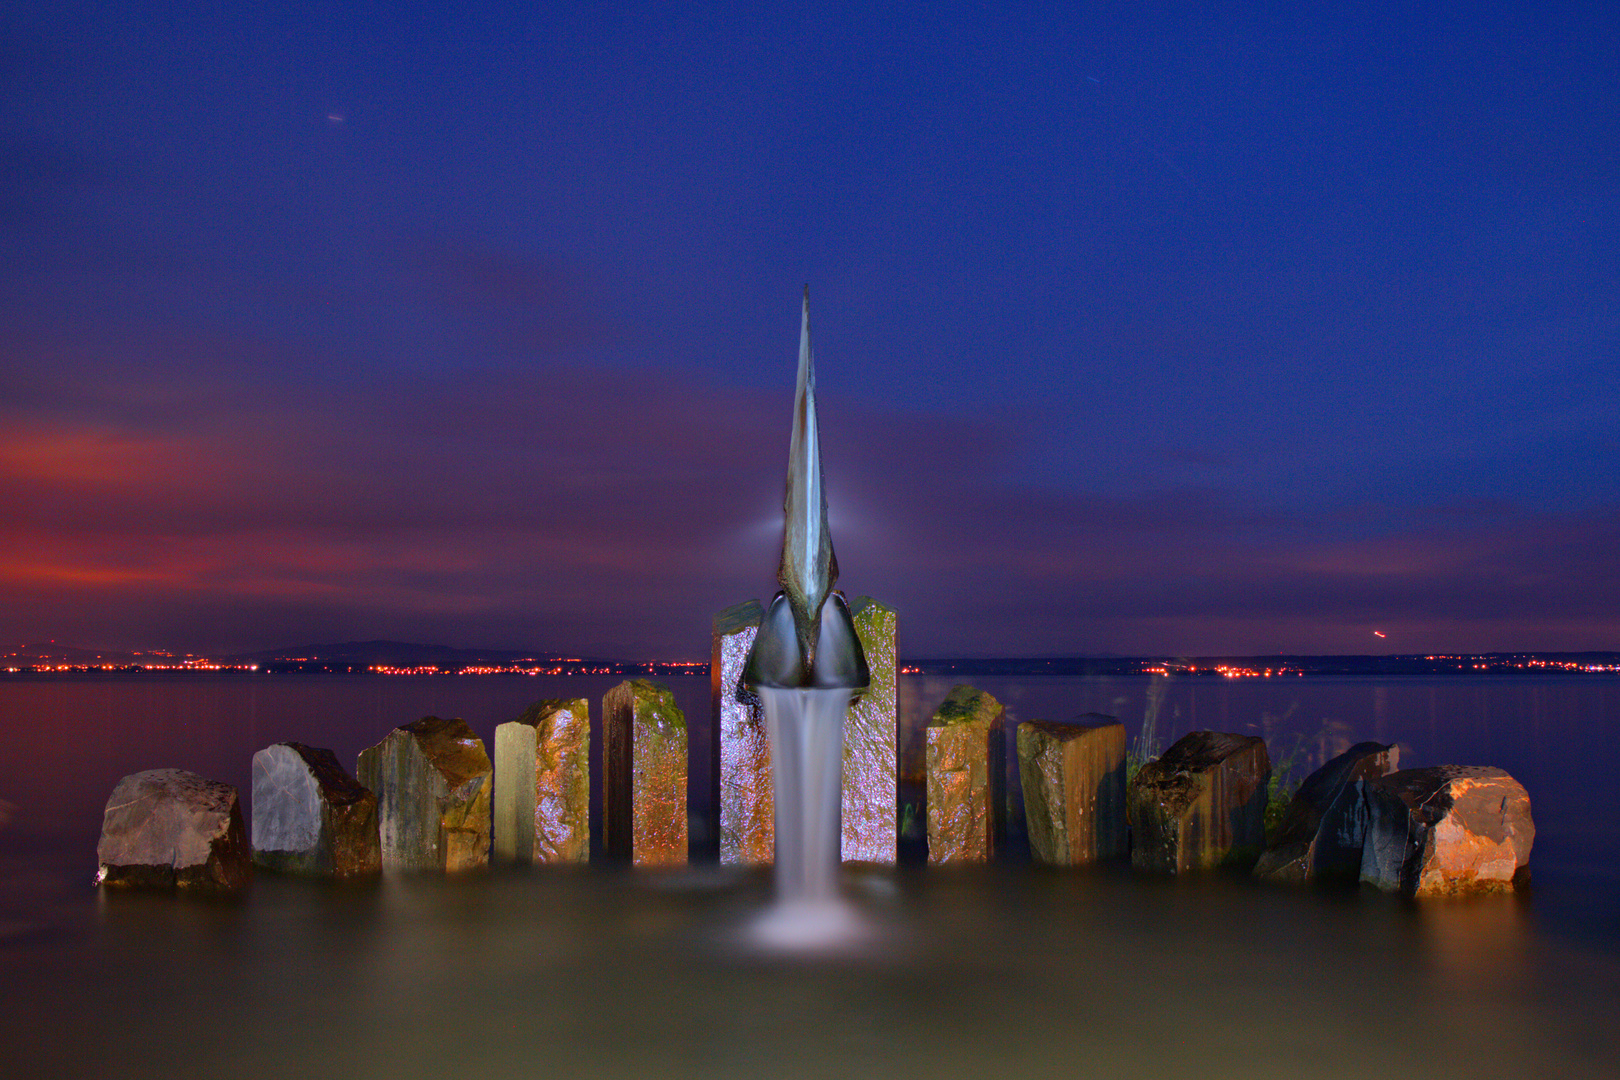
[432, 782]
[1322, 832]
[1201, 805]
[310, 816]
[644, 744]
[168, 828]
[871, 741]
[746, 800]
[542, 800]
[957, 758]
[1074, 789]
[1445, 830]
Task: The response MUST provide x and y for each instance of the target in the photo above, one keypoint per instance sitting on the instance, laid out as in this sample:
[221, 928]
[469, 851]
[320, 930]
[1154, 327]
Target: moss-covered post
[1074, 789]
[644, 745]
[961, 821]
[871, 742]
[543, 784]
[432, 782]
[742, 751]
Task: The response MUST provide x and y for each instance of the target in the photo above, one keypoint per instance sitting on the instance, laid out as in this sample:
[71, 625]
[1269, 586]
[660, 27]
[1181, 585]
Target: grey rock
[310, 816]
[168, 828]
[432, 781]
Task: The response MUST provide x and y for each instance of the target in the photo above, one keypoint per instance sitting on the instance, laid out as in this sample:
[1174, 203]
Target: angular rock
[168, 828]
[432, 782]
[959, 799]
[1445, 830]
[1074, 789]
[542, 800]
[1201, 805]
[1321, 835]
[644, 775]
[871, 741]
[310, 816]
[745, 797]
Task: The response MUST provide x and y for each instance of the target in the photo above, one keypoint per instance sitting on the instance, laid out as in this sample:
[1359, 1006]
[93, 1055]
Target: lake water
[600, 971]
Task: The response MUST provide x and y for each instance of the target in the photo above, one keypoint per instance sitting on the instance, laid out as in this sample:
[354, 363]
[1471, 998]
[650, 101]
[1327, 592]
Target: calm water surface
[603, 972]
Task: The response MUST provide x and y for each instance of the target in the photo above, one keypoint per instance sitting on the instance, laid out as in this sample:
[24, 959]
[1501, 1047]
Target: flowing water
[600, 971]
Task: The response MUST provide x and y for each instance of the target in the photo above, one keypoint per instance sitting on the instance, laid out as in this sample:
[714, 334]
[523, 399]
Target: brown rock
[644, 775]
[310, 816]
[168, 828]
[1321, 835]
[960, 815]
[1074, 789]
[746, 800]
[1445, 830]
[542, 799]
[1201, 805]
[432, 781]
[871, 741]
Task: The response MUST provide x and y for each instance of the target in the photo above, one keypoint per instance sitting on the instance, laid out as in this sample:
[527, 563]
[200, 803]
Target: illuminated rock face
[168, 828]
[644, 746]
[871, 741]
[432, 782]
[310, 816]
[1322, 834]
[542, 800]
[1074, 789]
[961, 822]
[1447, 829]
[744, 753]
[1201, 805]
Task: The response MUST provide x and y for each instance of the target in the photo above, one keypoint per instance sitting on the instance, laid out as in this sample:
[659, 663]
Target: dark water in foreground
[602, 972]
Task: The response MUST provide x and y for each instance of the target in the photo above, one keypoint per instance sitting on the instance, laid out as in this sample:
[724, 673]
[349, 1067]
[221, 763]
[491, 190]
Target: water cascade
[806, 665]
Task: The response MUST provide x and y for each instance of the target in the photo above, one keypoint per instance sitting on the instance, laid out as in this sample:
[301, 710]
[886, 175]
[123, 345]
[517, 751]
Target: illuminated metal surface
[958, 763]
[871, 741]
[432, 782]
[543, 785]
[644, 743]
[746, 799]
[1074, 789]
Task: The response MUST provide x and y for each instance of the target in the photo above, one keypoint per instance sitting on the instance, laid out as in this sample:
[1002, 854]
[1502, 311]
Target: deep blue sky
[1199, 332]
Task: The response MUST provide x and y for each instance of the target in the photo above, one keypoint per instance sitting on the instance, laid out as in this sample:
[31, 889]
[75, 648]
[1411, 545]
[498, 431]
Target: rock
[746, 800]
[310, 816]
[1074, 789]
[168, 828]
[1321, 836]
[960, 816]
[542, 800]
[644, 775]
[432, 781]
[871, 741]
[1201, 805]
[1445, 830]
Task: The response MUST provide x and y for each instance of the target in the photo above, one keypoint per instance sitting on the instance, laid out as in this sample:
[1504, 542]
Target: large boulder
[432, 781]
[871, 741]
[168, 828]
[1446, 829]
[1201, 805]
[542, 807]
[742, 759]
[1073, 776]
[310, 816]
[1321, 833]
[644, 745]
[961, 819]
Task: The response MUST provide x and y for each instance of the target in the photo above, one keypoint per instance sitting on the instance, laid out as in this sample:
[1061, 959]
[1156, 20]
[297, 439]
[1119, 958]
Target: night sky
[1202, 332]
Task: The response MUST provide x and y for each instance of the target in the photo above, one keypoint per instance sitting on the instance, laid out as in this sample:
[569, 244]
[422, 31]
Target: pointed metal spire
[809, 568]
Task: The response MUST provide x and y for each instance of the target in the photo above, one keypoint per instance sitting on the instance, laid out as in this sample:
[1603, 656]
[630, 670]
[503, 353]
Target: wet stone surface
[644, 748]
[1445, 830]
[168, 828]
[310, 816]
[432, 779]
[1201, 805]
[871, 741]
[960, 819]
[1073, 777]
[744, 766]
[542, 799]
[1321, 835]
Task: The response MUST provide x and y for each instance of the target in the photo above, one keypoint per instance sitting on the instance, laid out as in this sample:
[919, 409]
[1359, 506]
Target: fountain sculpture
[807, 666]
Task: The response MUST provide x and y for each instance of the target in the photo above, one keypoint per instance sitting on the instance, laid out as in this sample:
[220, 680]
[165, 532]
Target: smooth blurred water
[599, 971]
